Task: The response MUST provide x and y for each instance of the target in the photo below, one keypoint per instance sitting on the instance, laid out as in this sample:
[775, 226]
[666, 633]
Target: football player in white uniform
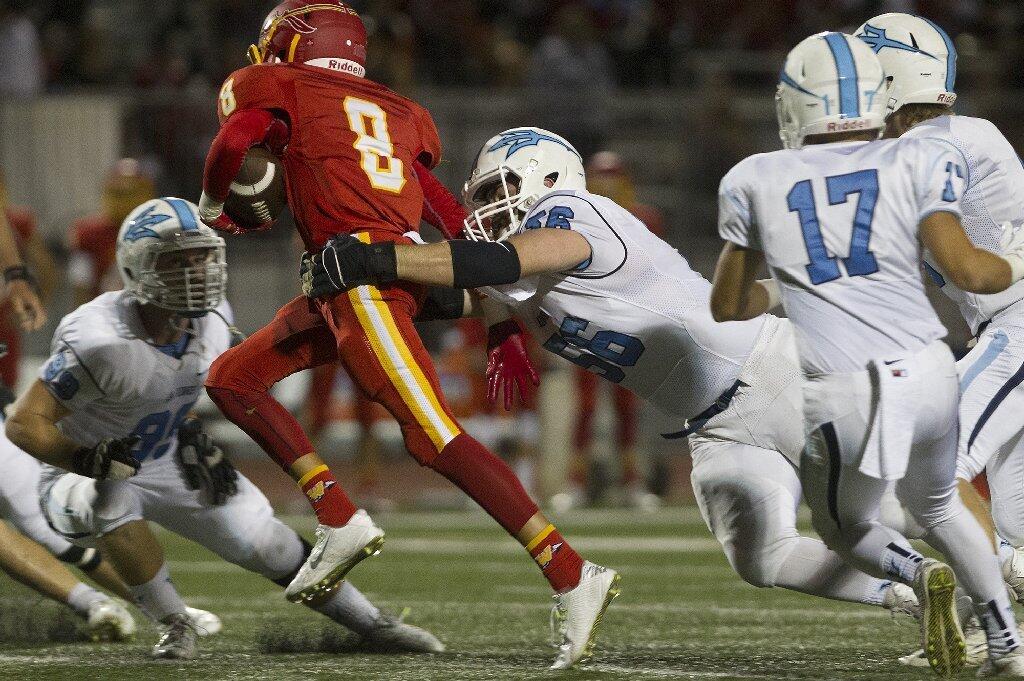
[880, 402]
[114, 405]
[920, 59]
[596, 287]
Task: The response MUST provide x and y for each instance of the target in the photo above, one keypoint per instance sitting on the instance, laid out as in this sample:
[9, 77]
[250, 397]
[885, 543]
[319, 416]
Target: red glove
[211, 212]
[508, 363]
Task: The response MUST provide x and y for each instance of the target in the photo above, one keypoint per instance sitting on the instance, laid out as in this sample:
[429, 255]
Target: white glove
[1011, 243]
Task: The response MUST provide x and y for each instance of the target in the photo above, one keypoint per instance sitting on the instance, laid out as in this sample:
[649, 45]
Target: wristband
[381, 262]
[16, 272]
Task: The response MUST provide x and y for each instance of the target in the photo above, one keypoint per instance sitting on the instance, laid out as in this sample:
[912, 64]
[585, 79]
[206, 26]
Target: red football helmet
[326, 34]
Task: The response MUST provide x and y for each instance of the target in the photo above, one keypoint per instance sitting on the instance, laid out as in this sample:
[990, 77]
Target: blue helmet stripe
[950, 55]
[846, 69]
[184, 213]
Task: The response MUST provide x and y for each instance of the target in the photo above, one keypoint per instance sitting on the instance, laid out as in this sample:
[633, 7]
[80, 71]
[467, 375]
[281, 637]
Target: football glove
[346, 262]
[508, 364]
[110, 459]
[203, 464]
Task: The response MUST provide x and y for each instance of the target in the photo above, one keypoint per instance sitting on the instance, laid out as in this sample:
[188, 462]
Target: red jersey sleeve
[261, 86]
[430, 141]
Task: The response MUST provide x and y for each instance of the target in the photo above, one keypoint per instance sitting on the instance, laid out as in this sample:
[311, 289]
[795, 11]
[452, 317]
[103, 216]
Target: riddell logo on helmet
[339, 64]
[843, 126]
[946, 98]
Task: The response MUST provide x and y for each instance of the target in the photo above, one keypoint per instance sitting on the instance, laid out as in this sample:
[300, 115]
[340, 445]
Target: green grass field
[682, 614]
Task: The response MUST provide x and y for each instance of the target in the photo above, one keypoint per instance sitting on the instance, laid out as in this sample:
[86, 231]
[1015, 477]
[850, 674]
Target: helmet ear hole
[550, 179]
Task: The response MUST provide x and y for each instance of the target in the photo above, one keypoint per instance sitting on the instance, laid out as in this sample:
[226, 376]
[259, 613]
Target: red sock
[329, 502]
[558, 561]
[280, 435]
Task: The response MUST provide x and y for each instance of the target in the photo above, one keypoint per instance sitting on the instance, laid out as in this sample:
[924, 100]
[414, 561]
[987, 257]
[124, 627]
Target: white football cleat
[941, 635]
[392, 635]
[577, 613]
[1013, 575]
[337, 550]
[205, 623]
[1010, 665]
[899, 599]
[110, 621]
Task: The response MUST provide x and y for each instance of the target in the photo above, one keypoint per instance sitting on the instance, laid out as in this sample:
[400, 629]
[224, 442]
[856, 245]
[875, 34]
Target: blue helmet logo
[140, 227]
[877, 41]
[520, 139]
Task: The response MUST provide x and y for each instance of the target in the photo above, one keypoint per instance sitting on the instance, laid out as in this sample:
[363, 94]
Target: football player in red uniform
[93, 239]
[357, 159]
[23, 308]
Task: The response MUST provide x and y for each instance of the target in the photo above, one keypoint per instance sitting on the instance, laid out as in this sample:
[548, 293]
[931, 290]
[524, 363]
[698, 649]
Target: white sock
[158, 598]
[351, 609]
[82, 596]
[997, 618]
[812, 568]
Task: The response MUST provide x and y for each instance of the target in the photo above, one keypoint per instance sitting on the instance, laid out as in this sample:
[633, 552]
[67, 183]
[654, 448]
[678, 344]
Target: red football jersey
[23, 224]
[93, 242]
[348, 163]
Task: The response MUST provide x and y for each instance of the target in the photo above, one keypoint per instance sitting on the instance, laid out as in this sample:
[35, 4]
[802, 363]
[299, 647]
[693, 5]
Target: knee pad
[757, 568]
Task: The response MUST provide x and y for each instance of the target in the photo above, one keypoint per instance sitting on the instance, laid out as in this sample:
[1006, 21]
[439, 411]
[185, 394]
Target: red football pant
[370, 331]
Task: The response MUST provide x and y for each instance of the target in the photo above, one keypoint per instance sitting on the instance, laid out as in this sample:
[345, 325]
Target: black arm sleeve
[483, 263]
[442, 303]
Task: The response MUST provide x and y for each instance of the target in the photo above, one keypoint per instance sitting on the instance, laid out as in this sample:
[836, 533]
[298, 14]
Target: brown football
[258, 193]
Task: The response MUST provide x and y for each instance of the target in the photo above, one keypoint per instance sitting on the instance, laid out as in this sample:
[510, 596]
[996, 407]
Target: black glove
[346, 262]
[203, 464]
[110, 459]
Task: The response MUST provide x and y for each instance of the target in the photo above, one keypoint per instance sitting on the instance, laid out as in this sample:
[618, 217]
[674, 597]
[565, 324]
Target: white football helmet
[831, 83]
[509, 176]
[170, 259]
[916, 54]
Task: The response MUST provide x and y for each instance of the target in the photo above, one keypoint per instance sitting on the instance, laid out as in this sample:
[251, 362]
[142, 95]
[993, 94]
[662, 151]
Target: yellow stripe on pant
[398, 362]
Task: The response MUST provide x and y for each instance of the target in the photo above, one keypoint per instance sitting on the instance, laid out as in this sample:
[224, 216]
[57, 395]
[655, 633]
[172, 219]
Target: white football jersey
[115, 383]
[995, 183]
[838, 225]
[634, 312]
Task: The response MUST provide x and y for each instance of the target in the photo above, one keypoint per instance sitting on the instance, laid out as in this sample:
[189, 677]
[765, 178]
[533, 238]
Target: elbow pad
[483, 263]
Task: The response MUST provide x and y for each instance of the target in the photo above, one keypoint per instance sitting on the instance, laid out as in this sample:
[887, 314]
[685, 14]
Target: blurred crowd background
[674, 92]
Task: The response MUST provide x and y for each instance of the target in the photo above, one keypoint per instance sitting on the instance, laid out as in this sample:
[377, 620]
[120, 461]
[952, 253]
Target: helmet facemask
[187, 276]
[497, 203]
[788, 127]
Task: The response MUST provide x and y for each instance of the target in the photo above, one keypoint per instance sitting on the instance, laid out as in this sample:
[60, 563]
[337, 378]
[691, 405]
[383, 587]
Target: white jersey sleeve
[78, 371]
[734, 218]
[570, 210]
[939, 178]
[994, 181]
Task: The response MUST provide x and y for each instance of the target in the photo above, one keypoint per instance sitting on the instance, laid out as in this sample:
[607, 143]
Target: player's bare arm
[32, 426]
[971, 268]
[737, 295]
[348, 262]
[18, 283]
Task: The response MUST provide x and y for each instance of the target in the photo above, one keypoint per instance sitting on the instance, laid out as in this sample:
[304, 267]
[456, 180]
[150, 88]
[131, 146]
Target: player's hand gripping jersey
[838, 224]
[634, 313]
[995, 179]
[349, 151]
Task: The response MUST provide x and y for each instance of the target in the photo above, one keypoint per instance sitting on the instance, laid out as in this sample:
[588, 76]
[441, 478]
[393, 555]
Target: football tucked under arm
[240, 132]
